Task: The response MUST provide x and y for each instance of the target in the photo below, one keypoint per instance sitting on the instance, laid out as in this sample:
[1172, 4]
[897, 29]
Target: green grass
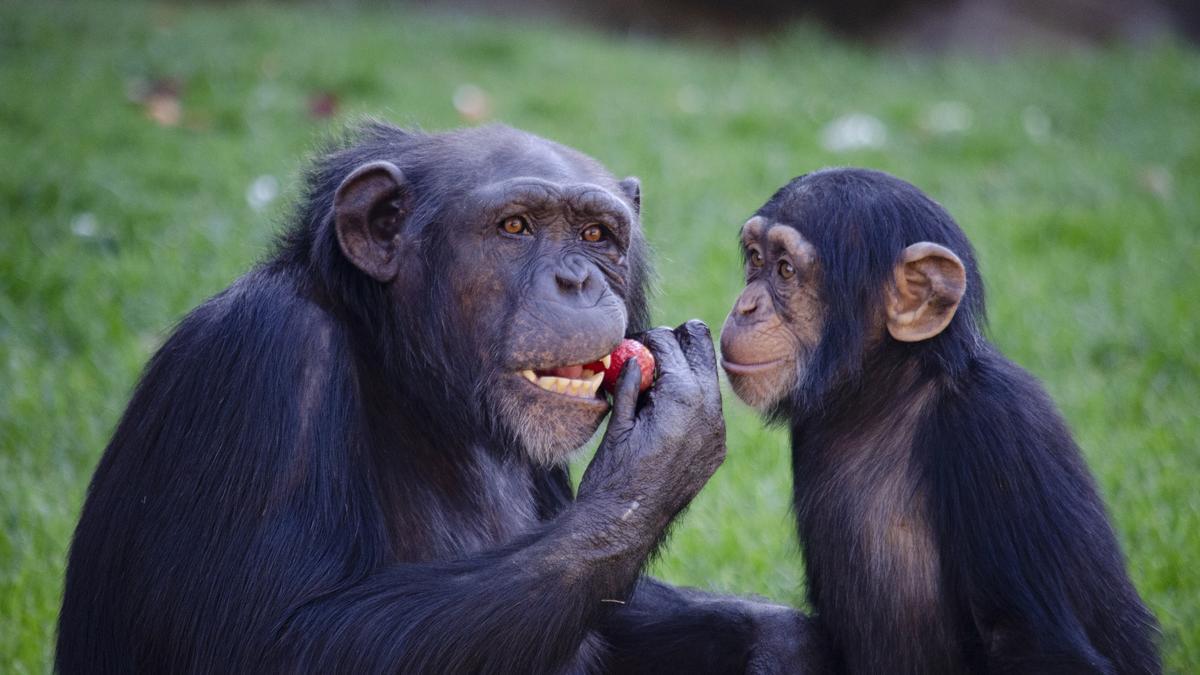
[112, 227]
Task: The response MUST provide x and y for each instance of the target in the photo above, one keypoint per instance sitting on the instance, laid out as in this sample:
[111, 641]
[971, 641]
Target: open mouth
[579, 380]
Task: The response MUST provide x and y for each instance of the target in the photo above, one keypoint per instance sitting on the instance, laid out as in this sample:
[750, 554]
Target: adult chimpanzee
[352, 459]
[948, 521]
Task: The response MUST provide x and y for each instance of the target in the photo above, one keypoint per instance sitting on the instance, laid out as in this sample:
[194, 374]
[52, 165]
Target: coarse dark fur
[948, 520]
[307, 480]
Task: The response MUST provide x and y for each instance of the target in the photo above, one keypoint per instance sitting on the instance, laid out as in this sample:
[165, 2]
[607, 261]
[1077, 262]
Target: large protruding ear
[369, 209]
[632, 187]
[929, 283]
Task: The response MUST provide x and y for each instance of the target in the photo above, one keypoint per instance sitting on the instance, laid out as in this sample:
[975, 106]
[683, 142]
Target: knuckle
[658, 333]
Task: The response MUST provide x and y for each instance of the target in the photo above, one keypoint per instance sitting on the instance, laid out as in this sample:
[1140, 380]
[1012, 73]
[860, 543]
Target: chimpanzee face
[537, 250]
[558, 251]
[775, 324]
[830, 280]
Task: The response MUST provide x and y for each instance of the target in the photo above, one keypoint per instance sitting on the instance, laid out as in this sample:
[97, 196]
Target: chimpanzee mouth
[750, 368]
[577, 381]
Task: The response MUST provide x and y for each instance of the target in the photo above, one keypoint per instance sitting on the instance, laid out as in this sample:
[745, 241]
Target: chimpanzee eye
[756, 259]
[594, 233]
[786, 270]
[515, 225]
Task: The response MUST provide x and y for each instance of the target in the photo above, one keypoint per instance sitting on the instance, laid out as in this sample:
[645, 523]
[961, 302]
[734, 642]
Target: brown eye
[593, 233]
[756, 259]
[515, 225]
[786, 270]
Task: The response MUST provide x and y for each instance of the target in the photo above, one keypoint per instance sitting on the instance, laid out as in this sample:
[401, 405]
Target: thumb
[625, 395]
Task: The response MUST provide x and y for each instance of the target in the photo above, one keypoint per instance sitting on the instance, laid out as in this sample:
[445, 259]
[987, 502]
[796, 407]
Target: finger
[696, 341]
[667, 353]
[624, 407]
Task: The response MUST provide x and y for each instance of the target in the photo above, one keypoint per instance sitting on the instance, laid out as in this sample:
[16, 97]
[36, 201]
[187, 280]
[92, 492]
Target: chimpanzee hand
[653, 460]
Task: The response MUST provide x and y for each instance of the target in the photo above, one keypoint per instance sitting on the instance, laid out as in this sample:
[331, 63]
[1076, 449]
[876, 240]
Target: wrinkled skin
[775, 324]
[550, 294]
[567, 311]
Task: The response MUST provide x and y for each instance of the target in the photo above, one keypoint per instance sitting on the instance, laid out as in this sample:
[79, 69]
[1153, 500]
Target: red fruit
[623, 352]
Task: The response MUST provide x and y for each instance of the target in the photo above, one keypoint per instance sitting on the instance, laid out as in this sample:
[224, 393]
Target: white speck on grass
[262, 191]
[1158, 181]
[472, 102]
[947, 117]
[85, 225]
[1036, 124]
[855, 131]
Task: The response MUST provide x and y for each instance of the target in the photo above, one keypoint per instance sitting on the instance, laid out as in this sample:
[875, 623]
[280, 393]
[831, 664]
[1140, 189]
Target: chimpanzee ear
[632, 187]
[369, 209]
[929, 283]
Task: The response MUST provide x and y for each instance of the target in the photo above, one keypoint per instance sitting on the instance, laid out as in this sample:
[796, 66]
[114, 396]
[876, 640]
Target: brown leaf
[322, 105]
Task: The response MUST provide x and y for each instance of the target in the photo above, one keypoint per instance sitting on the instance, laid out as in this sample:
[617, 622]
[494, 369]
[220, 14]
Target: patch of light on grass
[947, 117]
[855, 131]
[1036, 124]
[262, 191]
[472, 102]
[85, 225]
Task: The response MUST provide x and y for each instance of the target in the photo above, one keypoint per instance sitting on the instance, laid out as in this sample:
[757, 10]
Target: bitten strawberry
[623, 352]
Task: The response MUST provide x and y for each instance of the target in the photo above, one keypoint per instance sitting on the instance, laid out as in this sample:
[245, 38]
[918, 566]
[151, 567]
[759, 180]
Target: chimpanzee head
[483, 270]
[845, 267]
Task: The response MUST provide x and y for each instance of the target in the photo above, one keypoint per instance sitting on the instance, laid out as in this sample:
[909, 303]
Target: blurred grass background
[150, 151]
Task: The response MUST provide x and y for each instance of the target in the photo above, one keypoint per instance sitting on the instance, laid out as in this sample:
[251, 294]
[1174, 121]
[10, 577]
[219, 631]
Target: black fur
[305, 480]
[1029, 576]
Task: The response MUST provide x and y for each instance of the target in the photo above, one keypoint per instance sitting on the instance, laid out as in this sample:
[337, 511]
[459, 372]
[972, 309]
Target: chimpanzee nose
[574, 275]
[752, 305]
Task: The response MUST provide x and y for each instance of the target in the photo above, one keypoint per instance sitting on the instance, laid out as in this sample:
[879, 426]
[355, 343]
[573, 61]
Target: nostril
[748, 307]
[572, 277]
[570, 282]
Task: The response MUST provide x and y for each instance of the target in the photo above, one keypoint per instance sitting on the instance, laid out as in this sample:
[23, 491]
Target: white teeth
[584, 387]
[586, 374]
[607, 361]
[594, 383]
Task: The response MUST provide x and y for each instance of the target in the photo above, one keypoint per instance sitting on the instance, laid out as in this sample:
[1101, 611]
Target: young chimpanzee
[947, 519]
[353, 459]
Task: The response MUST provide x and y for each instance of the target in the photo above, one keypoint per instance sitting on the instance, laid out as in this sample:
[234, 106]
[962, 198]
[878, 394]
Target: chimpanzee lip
[750, 368]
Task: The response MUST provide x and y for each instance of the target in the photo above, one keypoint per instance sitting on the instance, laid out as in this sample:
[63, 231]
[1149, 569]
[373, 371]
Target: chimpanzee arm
[1034, 552]
[526, 608]
[667, 629]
